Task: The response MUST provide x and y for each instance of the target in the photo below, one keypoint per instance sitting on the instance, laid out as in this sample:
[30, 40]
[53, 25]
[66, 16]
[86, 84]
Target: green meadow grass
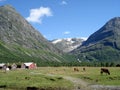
[32, 78]
[91, 75]
[53, 77]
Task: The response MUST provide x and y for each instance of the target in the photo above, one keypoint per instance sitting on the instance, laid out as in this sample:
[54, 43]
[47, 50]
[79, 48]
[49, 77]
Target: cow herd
[102, 70]
[77, 70]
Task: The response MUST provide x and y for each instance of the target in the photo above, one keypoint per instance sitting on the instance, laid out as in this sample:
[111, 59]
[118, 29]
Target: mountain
[68, 44]
[19, 41]
[103, 45]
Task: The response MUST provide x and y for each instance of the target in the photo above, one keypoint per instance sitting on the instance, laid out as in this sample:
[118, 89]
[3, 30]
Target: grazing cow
[104, 70]
[84, 69]
[76, 69]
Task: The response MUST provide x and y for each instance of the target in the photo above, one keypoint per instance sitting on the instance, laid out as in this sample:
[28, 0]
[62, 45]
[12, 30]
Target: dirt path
[82, 85]
[78, 83]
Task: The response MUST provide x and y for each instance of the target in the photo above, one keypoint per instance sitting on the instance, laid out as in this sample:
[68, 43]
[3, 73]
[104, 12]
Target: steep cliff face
[104, 44]
[21, 40]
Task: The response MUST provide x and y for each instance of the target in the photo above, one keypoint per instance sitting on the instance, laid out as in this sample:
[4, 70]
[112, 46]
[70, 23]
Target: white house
[29, 65]
[2, 65]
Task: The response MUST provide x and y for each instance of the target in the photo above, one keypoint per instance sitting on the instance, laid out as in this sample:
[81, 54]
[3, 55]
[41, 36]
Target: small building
[2, 65]
[13, 66]
[29, 65]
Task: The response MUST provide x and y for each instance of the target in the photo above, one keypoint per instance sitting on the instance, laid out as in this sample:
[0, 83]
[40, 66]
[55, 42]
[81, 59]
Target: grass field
[53, 77]
[21, 79]
[92, 74]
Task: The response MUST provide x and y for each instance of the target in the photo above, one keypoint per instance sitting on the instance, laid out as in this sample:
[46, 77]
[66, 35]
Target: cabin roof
[2, 64]
[28, 63]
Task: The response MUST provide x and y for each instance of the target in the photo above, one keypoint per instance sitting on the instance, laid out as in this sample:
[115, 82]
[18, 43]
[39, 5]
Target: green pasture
[53, 77]
[21, 79]
[91, 75]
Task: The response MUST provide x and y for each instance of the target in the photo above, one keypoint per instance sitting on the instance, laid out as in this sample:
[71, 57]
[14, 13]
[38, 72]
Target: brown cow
[105, 70]
[84, 69]
[76, 69]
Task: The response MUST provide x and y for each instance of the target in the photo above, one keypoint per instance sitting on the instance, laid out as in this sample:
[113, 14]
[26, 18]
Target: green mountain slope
[19, 41]
[103, 45]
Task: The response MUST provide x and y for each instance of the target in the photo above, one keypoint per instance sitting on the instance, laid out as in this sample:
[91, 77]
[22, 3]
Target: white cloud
[36, 15]
[63, 3]
[66, 32]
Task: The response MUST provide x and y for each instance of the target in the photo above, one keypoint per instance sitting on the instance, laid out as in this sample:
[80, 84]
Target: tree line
[69, 64]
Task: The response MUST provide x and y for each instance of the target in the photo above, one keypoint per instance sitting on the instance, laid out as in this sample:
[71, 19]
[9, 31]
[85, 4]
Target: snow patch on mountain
[68, 44]
[56, 41]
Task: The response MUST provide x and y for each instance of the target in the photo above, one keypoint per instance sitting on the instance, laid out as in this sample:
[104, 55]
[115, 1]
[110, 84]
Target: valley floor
[62, 78]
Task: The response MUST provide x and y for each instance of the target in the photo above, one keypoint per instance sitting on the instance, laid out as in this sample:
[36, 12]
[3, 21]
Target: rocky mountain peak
[19, 39]
[110, 30]
[103, 45]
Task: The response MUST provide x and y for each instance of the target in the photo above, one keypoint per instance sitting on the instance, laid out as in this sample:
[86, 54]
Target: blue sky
[66, 18]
